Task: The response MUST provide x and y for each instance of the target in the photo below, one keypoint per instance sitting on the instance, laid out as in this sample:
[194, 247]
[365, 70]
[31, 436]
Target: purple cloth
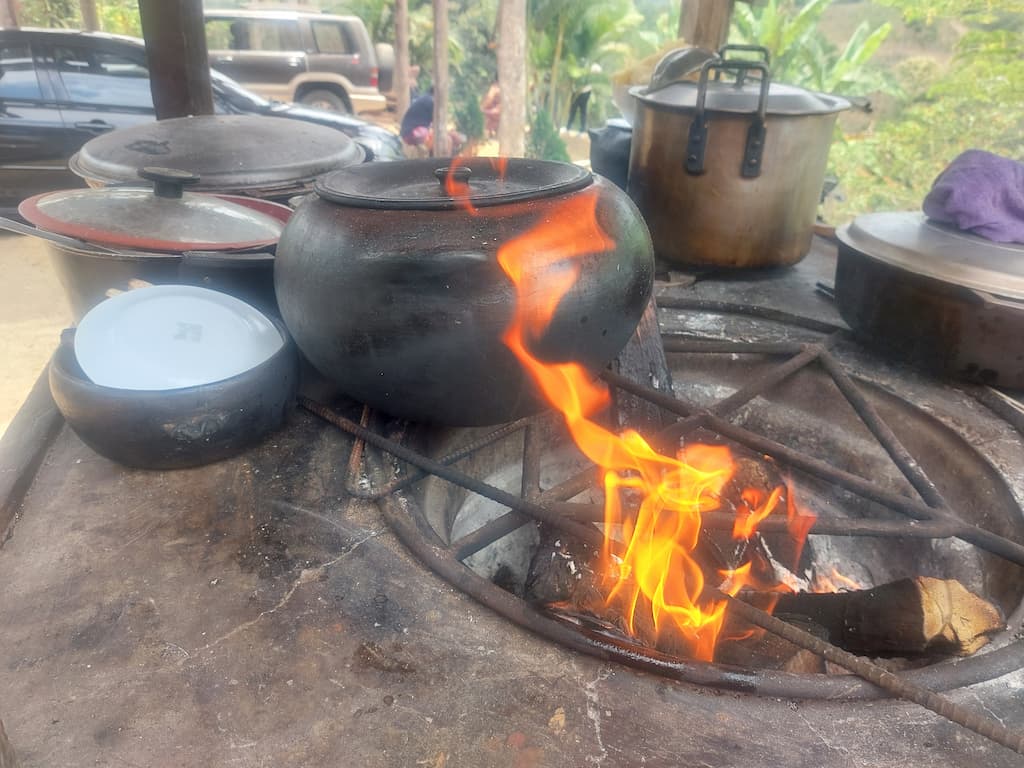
[981, 193]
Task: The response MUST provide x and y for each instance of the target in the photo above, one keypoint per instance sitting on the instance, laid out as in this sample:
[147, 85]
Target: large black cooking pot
[392, 288]
[926, 293]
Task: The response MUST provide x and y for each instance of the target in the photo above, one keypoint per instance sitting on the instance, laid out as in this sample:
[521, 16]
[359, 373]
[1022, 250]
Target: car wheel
[321, 98]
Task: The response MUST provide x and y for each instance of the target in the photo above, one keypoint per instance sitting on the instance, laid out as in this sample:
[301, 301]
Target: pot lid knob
[460, 174]
[168, 182]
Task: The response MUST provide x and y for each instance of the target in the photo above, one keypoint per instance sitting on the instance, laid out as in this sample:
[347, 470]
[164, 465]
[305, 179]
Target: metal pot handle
[698, 137]
[766, 55]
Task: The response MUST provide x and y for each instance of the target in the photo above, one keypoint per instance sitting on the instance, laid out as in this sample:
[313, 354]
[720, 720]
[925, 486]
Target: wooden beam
[442, 146]
[512, 77]
[705, 23]
[179, 69]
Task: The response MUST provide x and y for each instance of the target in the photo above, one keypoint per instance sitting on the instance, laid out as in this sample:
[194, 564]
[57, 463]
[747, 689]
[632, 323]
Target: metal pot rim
[421, 184]
[909, 240]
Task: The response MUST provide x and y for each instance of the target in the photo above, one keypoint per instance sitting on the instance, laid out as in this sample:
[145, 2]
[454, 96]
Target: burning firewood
[922, 615]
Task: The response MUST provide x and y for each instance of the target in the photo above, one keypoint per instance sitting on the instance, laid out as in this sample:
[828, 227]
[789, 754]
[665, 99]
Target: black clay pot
[393, 290]
[175, 428]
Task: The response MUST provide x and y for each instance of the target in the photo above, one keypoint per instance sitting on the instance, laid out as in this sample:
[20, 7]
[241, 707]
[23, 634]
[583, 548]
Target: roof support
[179, 70]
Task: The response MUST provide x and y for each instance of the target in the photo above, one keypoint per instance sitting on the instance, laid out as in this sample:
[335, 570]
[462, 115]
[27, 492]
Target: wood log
[919, 616]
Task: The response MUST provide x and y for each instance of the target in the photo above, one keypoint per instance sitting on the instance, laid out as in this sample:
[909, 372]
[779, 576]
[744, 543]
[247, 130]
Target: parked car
[60, 88]
[316, 59]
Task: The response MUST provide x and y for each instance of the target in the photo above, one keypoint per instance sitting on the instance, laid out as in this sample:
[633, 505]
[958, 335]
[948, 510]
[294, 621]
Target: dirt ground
[33, 311]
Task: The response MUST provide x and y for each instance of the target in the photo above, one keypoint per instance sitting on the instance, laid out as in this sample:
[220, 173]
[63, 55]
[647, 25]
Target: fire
[833, 581]
[653, 575]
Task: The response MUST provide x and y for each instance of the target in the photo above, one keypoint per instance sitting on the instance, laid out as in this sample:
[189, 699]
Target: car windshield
[236, 94]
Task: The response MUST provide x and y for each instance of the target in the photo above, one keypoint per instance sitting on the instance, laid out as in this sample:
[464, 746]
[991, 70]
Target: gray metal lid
[911, 241]
[724, 96]
[445, 184]
[234, 153]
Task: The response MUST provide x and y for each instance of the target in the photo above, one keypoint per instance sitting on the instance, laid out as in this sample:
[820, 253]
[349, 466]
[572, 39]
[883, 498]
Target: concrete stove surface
[250, 613]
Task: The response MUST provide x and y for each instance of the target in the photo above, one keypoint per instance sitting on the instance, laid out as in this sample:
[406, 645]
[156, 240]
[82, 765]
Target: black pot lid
[725, 96]
[443, 184]
[158, 218]
[911, 241]
[234, 153]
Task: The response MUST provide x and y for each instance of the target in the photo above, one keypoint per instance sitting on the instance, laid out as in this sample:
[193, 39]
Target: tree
[401, 74]
[441, 144]
[512, 77]
[90, 19]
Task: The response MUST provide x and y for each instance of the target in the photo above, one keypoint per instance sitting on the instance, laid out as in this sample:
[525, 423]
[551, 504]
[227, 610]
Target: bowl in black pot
[175, 428]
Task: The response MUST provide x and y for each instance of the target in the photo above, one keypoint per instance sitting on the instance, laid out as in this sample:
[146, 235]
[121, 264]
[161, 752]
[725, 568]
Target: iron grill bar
[823, 526]
[883, 433]
[732, 308]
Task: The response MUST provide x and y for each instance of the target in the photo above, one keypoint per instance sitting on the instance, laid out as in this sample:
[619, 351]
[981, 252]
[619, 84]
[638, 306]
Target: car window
[18, 74]
[100, 77]
[330, 37]
[253, 35]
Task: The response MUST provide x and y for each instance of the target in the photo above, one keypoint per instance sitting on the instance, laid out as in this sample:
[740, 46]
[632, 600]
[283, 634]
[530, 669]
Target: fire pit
[781, 389]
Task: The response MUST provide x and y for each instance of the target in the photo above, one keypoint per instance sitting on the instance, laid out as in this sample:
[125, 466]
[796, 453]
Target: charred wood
[922, 615]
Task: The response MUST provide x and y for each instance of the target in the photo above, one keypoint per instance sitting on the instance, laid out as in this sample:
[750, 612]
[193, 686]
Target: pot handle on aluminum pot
[698, 139]
[766, 55]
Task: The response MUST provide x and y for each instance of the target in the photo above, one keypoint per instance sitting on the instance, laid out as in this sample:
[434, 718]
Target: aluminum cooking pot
[927, 293]
[392, 288]
[729, 173]
[102, 239]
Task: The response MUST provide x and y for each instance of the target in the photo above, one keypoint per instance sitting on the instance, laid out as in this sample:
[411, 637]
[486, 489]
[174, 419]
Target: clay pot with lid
[392, 288]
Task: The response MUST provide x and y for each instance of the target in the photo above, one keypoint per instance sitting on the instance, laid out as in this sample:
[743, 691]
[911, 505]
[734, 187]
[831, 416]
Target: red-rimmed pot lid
[158, 218]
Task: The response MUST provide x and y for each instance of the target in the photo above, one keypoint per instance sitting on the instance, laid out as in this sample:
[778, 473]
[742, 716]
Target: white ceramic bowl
[172, 336]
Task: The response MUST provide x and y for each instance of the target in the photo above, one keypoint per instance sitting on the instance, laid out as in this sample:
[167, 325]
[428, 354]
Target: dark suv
[312, 58]
[59, 88]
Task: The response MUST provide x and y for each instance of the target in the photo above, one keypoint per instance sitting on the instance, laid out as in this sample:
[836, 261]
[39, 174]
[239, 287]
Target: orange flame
[833, 581]
[652, 570]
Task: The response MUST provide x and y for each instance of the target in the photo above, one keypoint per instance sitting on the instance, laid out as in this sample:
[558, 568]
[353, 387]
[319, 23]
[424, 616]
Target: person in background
[491, 107]
[578, 105]
[417, 126]
[581, 98]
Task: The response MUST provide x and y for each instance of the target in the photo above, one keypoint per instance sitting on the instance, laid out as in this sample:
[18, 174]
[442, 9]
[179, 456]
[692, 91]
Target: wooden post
[705, 23]
[441, 144]
[90, 18]
[512, 77]
[179, 70]
[9, 13]
[401, 77]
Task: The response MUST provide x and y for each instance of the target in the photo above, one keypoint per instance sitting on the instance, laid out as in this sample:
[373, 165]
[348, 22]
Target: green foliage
[543, 142]
[974, 102]
[119, 17]
[61, 14]
[801, 55]
[469, 118]
[598, 37]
